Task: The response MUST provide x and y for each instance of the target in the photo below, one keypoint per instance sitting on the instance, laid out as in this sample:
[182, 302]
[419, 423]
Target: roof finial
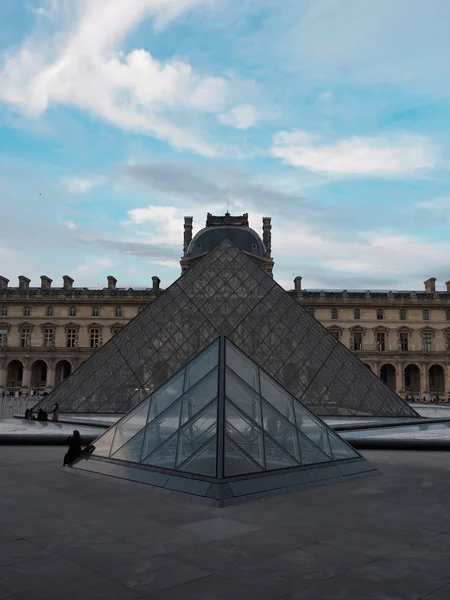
[227, 214]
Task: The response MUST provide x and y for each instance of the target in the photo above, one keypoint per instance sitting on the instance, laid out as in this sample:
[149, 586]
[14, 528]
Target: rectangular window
[3, 337]
[26, 311]
[426, 315]
[118, 311]
[357, 340]
[447, 315]
[334, 313]
[95, 338]
[25, 337]
[403, 314]
[380, 314]
[49, 311]
[357, 314]
[381, 341]
[404, 342]
[48, 337]
[447, 342]
[71, 338]
[4, 311]
[426, 342]
[95, 311]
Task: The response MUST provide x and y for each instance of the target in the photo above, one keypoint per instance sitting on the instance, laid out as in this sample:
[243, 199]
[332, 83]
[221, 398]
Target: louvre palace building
[47, 330]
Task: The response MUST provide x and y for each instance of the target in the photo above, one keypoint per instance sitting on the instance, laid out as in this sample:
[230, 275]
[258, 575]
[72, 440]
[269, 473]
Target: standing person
[55, 412]
[74, 450]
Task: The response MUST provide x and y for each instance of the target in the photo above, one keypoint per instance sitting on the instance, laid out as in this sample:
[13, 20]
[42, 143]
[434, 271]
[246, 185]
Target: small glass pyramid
[221, 417]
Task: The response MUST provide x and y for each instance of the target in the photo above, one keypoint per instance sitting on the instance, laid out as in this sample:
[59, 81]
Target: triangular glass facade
[227, 294]
[222, 416]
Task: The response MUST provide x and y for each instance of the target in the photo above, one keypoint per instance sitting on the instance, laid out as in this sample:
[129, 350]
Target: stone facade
[46, 332]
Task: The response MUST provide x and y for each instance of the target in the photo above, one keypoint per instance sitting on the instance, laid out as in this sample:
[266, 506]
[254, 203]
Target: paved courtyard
[72, 536]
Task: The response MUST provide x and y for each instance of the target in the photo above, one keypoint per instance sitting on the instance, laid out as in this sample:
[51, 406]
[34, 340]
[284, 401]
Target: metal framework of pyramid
[226, 293]
[224, 429]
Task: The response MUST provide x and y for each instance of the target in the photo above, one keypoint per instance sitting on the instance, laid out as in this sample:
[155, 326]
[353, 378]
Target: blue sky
[119, 117]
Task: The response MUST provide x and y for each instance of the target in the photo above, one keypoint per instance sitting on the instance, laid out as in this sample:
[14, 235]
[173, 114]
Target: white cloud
[134, 91]
[70, 225]
[80, 185]
[356, 156]
[240, 117]
[438, 207]
[93, 266]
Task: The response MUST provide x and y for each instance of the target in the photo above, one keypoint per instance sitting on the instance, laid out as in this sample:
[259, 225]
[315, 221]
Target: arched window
[49, 311]
[403, 314]
[72, 311]
[426, 314]
[380, 314]
[4, 310]
[95, 311]
[26, 311]
[118, 311]
[357, 314]
[334, 313]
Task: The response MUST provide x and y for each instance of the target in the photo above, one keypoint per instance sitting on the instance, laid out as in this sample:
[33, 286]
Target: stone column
[267, 235]
[187, 234]
[424, 382]
[26, 378]
[50, 384]
[2, 374]
[400, 378]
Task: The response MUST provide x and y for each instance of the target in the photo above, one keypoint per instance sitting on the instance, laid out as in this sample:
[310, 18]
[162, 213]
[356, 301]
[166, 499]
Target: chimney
[430, 285]
[156, 281]
[112, 281]
[67, 282]
[46, 282]
[447, 283]
[24, 282]
[298, 285]
[267, 235]
[187, 234]
[3, 283]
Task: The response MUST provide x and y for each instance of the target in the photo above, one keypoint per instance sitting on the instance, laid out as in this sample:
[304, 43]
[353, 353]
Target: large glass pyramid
[226, 293]
[222, 418]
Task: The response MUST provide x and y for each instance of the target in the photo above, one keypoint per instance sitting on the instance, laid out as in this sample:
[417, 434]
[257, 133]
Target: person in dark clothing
[74, 450]
[42, 415]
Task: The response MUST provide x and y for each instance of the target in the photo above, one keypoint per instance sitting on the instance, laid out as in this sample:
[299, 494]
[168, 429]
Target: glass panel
[243, 397]
[280, 430]
[166, 395]
[236, 462]
[312, 428]
[310, 454]
[130, 425]
[103, 444]
[242, 366]
[132, 450]
[244, 433]
[276, 458]
[164, 456]
[196, 433]
[160, 429]
[277, 397]
[339, 448]
[203, 463]
[202, 365]
[198, 397]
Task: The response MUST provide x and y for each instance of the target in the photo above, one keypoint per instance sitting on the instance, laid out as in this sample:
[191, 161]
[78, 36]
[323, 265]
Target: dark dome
[243, 237]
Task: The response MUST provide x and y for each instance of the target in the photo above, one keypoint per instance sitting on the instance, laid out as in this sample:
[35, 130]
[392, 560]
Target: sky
[120, 117]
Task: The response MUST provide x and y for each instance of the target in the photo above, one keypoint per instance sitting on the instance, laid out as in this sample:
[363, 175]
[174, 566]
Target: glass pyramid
[221, 416]
[226, 294]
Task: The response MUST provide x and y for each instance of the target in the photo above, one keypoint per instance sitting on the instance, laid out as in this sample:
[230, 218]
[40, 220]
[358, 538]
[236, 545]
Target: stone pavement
[78, 537]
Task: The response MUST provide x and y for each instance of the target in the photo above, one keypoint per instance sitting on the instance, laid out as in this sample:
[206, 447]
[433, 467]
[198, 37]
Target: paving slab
[63, 535]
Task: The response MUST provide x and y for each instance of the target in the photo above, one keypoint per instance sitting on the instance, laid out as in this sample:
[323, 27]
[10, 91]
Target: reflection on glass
[161, 428]
[236, 462]
[276, 458]
[131, 451]
[310, 454]
[280, 430]
[242, 366]
[243, 397]
[195, 433]
[103, 444]
[339, 448]
[202, 365]
[164, 456]
[129, 426]
[199, 396]
[312, 428]
[277, 397]
[244, 433]
[203, 463]
[166, 395]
